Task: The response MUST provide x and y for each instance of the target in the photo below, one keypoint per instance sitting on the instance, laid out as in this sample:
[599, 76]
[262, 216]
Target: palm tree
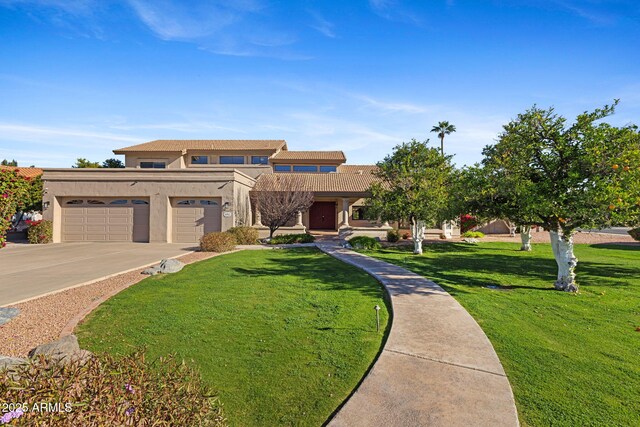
[442, 129]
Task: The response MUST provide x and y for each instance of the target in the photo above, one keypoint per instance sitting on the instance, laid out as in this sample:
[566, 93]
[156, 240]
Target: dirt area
[41, 320]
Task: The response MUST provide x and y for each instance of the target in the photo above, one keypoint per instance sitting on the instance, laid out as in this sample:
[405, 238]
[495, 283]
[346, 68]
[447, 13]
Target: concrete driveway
[27, 271]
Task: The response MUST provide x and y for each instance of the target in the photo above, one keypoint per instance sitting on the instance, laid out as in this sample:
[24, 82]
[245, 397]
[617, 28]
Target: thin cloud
[394, 107]
[393, 10]
[58, 136]
[323, 26]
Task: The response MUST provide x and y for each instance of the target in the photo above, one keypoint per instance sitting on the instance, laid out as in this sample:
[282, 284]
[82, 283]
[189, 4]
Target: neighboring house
[178, 190]
[24, 172]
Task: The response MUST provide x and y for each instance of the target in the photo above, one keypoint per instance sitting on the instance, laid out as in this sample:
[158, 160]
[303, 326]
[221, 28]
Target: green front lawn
[283, 335]
[572, 360]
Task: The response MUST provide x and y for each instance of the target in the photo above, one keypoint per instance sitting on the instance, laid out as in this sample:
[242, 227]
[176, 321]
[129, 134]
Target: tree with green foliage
[112, 163]
[13, 189]
[443, 129]
[6, 162]
[566, 177]
[84, 163]
[415, 183]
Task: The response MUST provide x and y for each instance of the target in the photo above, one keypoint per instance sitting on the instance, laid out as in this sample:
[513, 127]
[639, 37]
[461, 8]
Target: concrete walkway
[28, 271]
[437, 367]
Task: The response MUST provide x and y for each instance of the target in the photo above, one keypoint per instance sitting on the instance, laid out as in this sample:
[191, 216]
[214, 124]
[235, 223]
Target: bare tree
[279, 202]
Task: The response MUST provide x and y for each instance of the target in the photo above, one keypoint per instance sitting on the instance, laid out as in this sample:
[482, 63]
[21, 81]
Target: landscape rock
[8, 363]
[470, 240]
[166, 266]
[64, 350]
[8, 313]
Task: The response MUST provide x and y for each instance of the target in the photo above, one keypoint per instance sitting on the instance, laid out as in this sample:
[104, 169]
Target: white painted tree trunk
[417, 231]
[562, 247]
[525, 236]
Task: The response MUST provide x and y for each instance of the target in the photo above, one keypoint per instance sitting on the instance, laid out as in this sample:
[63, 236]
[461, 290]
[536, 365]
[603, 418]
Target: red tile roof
[25, 172]
[316, 182]
[337, 156]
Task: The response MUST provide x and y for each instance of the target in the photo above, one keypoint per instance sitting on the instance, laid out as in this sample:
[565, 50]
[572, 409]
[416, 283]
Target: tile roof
[25, 172]
[206, 144]
[316, 182]
[310, 155]
[359, 169]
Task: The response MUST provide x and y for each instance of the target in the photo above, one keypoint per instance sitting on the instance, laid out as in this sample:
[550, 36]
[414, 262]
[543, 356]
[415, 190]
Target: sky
[79, 78]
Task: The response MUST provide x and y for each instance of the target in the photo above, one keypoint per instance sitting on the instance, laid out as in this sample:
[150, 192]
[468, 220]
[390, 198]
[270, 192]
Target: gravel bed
[41, 320]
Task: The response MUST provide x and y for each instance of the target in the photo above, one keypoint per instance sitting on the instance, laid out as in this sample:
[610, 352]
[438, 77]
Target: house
[178, 190]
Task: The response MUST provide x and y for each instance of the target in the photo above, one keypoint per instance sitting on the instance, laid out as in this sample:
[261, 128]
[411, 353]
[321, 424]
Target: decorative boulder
[470, 240]
[8, 313]
[64, 350]
[166, 266]
[8, 362]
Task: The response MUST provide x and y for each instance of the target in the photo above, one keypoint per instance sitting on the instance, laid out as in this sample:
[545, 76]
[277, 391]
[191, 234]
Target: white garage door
[105, 219]
[194, 217]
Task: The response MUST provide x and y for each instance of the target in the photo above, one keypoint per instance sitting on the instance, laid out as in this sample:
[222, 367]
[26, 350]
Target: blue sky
[79, 78]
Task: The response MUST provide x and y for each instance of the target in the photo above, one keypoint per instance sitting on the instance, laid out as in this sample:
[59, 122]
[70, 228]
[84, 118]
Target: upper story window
[119, 202]
[282, 168]
[328, 168]
[199, 160]
[259, 160]
[153, 165]
[305, 168]
[232, 160]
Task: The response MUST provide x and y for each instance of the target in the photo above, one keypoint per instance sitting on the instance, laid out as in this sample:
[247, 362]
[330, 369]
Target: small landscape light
[377, 308]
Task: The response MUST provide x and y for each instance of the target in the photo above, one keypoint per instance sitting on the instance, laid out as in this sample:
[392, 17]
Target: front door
[322, 216]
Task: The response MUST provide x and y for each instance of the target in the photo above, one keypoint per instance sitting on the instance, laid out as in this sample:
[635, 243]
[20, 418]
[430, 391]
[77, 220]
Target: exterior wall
[174, 160]
[159, 185]
[497, 226]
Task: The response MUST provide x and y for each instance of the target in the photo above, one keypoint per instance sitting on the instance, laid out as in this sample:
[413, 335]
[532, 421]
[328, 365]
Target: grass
[572, 359]
[284, 336]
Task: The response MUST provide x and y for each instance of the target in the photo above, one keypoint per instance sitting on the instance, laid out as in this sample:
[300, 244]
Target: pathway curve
[437, 367]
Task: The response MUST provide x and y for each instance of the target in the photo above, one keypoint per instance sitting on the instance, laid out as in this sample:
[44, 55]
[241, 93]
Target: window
[208, 203]
[74, 202]
[232, 160]
[139, 202]
[328, 168]
[305, 169]
[186, 202]
[95, 202]
[259, 160]
[118, 202]
[153, 165]
[359, 212]
[282, 168]
[199, 160]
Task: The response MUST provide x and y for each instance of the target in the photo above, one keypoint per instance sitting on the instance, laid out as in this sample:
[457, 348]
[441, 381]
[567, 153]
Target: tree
[488, 194]
[280, 202]
[442, 129]
[567, 177]
[112, 163]
[415, 183]
[13, 188]
[5, 162]
[84, 163]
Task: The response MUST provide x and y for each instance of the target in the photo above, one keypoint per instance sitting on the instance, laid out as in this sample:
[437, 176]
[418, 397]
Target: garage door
[105, 219]
[194, 217]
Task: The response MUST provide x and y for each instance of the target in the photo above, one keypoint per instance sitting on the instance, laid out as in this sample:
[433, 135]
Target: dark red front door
[322, 216]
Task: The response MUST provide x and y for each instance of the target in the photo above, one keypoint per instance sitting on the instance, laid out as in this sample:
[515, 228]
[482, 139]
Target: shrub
[473, 234]
[40, 232]
[107, 391]
[635, 233]
[244, 235]
[468, 222]
[393, 236]
[286, 239]
[406, 235]
[218, 242]
[364, 242]
[13, 191]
